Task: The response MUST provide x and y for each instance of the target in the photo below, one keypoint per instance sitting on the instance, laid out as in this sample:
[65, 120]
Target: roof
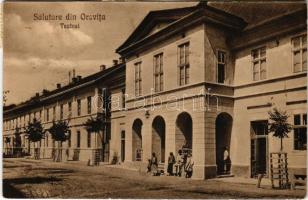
[250, 13]
[256, 12]
[88, 80]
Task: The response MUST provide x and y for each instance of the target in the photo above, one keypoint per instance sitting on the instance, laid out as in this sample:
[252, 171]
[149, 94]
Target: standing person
[178, 164]
[149, 165]
[171, 161]
[184, 161]
[227, 161]
[154, 164]
[189, 166]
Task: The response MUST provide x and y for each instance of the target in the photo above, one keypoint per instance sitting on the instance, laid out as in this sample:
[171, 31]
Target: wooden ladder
[279, 170]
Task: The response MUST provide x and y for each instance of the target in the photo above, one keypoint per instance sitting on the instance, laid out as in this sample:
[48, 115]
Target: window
[89, 139]
[89, 104]
[259, 63]
[78, 139]
[158, 73]
[69, 109]
[300, 132]
[41, 115]
[221, 64]
[138, 80]
[47, 114]
[123, 98]
[78, 107]
[61, 111]
[54, 113]
[299, 49]
[183, 64]
[259, 127]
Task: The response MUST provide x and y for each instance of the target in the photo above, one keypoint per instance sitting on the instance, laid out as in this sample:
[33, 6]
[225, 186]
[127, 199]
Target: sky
[38, 54]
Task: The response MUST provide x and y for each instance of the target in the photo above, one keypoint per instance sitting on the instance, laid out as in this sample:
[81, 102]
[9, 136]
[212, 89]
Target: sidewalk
[242, 180]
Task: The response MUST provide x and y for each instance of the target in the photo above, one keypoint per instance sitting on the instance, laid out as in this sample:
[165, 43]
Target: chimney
[74, 80]
[58, 85]
[115, 62]
[45, 91]
[122, 60]
[78, 78]
[69, 77]
[102, 67]
[37, 95]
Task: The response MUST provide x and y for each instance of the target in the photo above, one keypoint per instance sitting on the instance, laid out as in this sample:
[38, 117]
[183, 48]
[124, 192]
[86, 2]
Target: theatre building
[198, 78]
[205, 77]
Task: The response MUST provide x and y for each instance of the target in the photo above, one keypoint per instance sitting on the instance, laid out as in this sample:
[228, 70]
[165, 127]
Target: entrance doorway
[183, 132]
[137, 140]
[259, 148]
[158, 138]
[122, 146]
[223, 127]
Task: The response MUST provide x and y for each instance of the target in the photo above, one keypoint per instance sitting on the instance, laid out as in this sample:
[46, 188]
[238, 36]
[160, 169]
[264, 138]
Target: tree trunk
[59, 153]
[281, 147]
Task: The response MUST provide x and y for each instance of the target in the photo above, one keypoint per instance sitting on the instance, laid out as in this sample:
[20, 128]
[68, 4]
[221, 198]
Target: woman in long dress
[154, 164]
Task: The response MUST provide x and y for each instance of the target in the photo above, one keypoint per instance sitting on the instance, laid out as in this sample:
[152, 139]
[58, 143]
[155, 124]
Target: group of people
[182, 162]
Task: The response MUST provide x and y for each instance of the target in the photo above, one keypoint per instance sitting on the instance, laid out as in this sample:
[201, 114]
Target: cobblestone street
[41, 179]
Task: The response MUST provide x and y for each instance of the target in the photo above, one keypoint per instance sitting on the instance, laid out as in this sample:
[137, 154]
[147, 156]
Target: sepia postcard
[154, 100]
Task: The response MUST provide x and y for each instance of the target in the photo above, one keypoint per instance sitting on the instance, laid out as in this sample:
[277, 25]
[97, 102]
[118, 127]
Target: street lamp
[147, 114]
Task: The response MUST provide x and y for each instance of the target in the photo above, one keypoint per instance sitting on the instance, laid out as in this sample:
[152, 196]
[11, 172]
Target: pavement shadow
[31, 180]
[11, 192]
[54, 170]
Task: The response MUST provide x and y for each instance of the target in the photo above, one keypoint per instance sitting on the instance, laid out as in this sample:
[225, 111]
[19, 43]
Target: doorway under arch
[223, 139]
[158, 138]
[183, 131]
[137, 140]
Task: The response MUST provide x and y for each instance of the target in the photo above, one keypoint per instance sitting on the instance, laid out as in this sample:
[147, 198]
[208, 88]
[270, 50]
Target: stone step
[225, 176]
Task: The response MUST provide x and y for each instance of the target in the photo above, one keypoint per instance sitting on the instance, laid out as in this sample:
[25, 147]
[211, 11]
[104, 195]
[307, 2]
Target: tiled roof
[84, 81]
[256, 12]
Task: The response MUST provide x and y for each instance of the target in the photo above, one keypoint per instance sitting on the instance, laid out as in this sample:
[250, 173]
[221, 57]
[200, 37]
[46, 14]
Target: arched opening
[183, 132]
[223, 138]
[137, 140]
[158, 138]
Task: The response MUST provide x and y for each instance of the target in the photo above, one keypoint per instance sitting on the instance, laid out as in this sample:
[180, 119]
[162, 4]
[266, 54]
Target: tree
[5, 96]
[279, 124]
[7, 141]
[95, 125]
[35, 133]
[17, 140]
[59, 132]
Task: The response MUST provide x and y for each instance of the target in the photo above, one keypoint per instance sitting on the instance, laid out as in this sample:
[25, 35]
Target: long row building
[203, 77]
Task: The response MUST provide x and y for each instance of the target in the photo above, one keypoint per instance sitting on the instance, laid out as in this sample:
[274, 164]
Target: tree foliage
[7, 140]
[59, 130]
[35, 131]
[279, 125]
[17, 137]
[94, 125]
